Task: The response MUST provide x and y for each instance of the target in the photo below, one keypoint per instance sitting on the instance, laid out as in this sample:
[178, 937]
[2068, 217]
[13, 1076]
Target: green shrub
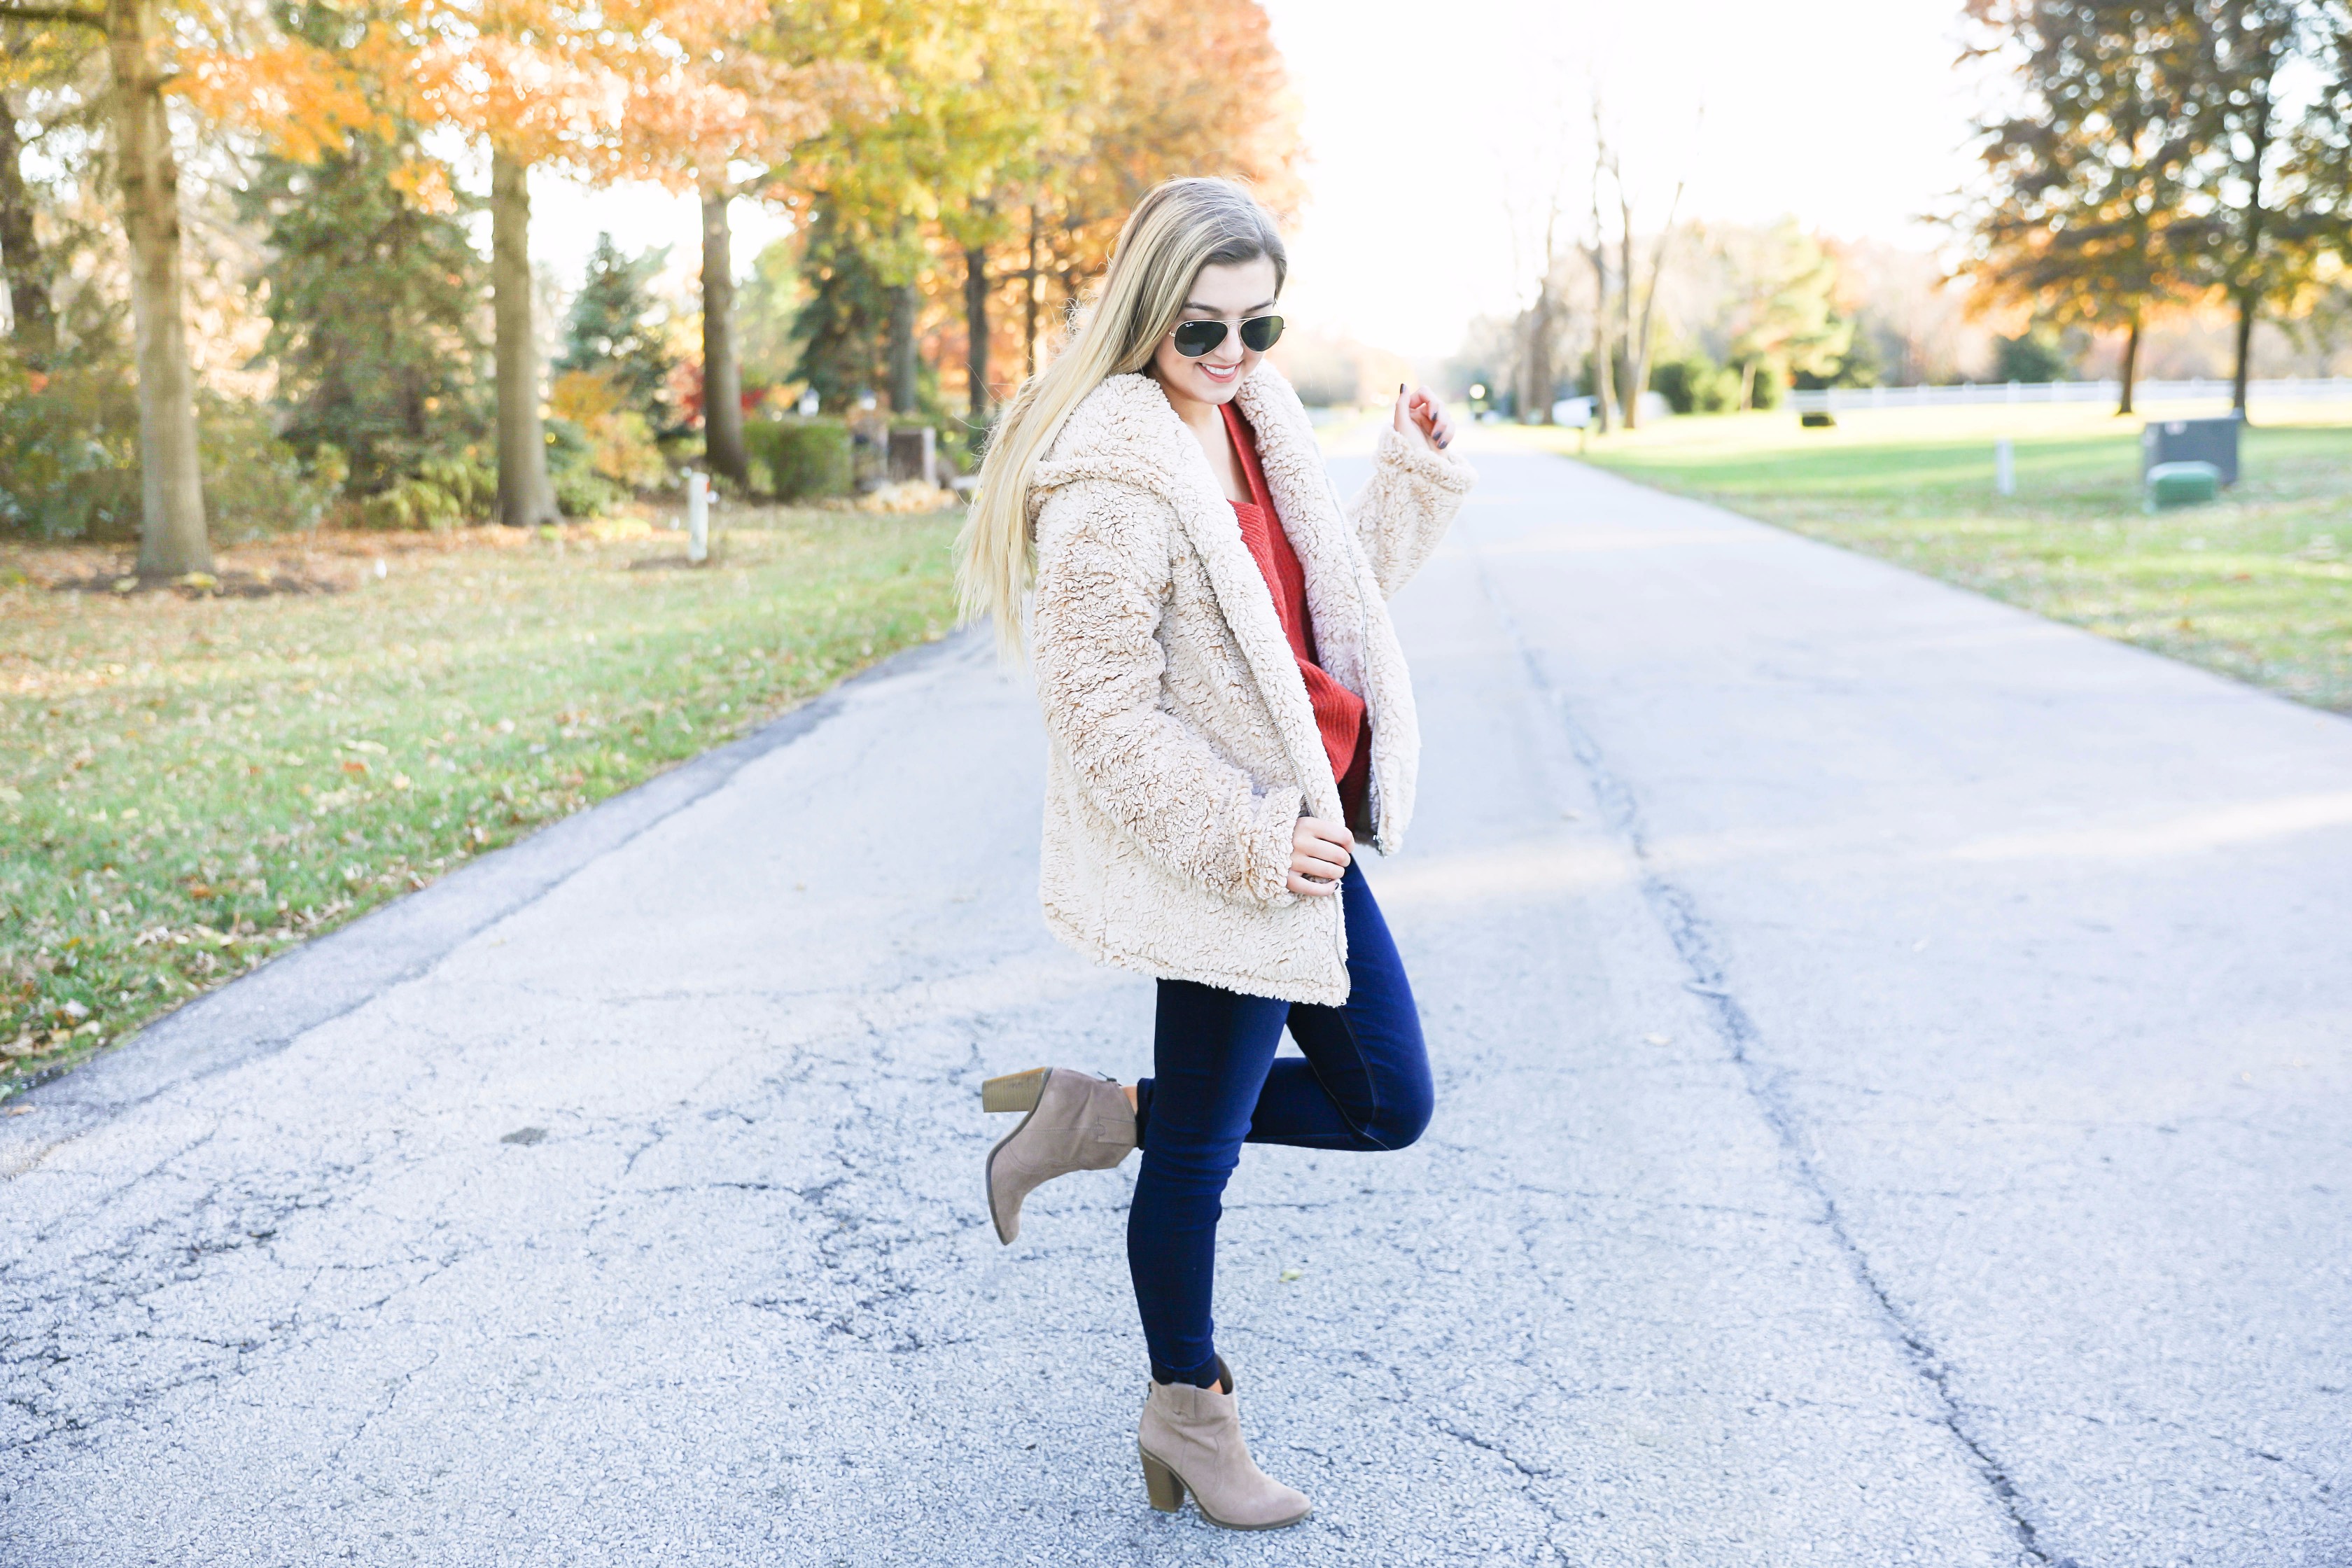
[1696, 384]
[2031, 356]
[960, 447]
[69, 454]
[445, 491]
[580, 490]
[620, 442]
[255, 485]
[805, 459]
[70, 461]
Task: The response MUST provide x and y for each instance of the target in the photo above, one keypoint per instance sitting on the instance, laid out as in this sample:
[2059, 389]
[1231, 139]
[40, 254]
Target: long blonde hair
[1178, 228]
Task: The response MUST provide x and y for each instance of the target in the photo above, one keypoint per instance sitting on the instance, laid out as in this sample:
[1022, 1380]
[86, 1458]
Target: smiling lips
[1220, 374]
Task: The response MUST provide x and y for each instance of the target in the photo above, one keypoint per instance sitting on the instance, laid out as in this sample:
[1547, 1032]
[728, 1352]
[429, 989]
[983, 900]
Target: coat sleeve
[1104, 571]
[1405, 508]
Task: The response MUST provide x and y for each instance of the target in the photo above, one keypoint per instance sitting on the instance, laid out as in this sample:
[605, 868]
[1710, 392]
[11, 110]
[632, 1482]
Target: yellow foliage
[620, 441]
[426, 183]
[309, 101]
[631, 89]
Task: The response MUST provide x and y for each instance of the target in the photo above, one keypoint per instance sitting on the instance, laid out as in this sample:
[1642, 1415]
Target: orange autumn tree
[604, 92]
[983, 98]
[1019, 135]
[612, 90]
[1175, 87]
[154, 48]
[776, 90]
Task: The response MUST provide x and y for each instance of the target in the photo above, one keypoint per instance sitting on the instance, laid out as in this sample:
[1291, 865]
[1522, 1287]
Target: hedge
[804, 457]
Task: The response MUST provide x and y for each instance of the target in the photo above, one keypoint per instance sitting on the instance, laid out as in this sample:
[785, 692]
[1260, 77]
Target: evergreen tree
[614, 330]
[374, 306]
[845, 326]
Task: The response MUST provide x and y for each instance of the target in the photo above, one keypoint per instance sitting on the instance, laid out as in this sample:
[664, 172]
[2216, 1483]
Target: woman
[1229, 714]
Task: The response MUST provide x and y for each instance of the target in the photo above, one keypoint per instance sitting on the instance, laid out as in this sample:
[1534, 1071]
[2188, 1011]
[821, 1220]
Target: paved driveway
[1894, 1103]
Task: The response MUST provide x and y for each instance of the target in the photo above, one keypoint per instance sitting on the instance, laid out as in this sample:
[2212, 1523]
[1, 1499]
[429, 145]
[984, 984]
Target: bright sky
[1437, 130]
[1431, 125]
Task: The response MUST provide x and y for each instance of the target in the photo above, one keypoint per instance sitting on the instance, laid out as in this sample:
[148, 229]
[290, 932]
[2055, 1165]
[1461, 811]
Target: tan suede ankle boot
[1191, 1439]
[1074, 1123]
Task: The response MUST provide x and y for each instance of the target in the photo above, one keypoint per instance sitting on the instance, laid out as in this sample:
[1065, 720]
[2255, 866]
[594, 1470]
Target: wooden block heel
[1224, 1483]
[1014, 1091]
[1166, 1486]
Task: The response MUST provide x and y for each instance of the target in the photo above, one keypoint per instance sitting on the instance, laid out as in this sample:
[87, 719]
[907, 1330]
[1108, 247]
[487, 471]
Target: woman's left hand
[1420, 415]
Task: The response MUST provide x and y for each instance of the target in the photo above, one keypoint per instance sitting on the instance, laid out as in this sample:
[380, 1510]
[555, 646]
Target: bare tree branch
[67, 15]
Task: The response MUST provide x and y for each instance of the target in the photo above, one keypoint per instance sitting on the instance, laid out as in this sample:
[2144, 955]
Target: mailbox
[2213, 441]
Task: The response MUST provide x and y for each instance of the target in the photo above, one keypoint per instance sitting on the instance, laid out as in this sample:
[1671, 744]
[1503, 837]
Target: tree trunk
[975, 326]
[1540, 376]
[1746, 385]
[2255, 227]
[2248, 306]
[1029, 304]
[722, 370]
[2131, 366]
[1633, 382]
[172, 537]
[1604, 353]
[35, 330]
[1639, 355]
[525, 496]
[1604, 368]
[902, 360]
[1644, 346]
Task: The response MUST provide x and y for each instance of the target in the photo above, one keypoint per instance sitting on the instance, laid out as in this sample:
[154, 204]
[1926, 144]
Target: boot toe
[1280, 1508]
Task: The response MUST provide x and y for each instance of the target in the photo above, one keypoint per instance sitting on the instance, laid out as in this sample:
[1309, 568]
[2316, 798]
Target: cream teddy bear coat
[1182, 749]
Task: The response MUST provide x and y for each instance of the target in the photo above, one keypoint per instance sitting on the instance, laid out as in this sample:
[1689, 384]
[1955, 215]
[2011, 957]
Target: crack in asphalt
[691, 782]
[1695, 943]
[1529, 1475]
[869, 1289]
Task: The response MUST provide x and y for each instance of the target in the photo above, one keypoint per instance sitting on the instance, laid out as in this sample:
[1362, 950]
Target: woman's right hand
[1319, 853]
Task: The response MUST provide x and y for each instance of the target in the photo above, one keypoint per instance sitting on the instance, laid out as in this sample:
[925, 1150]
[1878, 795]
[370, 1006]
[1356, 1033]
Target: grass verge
[2258, 586]
[190, 783]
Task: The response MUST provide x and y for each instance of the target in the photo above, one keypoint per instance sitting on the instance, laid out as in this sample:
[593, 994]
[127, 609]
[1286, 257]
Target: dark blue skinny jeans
[1364, 1084]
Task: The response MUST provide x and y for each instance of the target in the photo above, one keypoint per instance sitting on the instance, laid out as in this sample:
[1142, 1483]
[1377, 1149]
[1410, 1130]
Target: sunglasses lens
[1260, 333]
[1194, 338]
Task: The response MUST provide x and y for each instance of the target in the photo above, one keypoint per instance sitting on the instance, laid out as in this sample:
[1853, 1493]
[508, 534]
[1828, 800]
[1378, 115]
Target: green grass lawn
[2258, 586]
[189, 785]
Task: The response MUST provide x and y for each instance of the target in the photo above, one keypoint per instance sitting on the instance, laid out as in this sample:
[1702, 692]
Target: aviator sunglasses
[1194, 338]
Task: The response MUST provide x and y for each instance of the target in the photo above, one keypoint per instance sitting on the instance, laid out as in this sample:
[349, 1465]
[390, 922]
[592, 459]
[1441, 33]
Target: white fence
[1987, 394]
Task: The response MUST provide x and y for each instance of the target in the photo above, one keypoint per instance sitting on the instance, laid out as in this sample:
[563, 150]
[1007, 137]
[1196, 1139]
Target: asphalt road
[1893, 1083]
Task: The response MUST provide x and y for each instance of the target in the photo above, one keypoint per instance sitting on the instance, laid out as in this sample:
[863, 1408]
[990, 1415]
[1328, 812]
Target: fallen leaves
[194, 780]
[200, 936]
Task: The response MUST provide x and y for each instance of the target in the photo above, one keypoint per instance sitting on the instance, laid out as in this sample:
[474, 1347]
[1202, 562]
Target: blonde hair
[1178, 228]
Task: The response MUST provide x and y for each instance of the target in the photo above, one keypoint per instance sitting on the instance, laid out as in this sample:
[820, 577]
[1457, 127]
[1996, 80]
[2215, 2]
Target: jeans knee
[1399, 1125]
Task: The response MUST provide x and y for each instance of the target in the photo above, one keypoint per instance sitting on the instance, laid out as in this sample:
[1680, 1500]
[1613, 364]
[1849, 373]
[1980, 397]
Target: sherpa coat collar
[1149, 611]
[1128, 431]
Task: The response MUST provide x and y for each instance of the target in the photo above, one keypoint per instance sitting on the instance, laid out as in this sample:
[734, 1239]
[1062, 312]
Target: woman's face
[1231, 294]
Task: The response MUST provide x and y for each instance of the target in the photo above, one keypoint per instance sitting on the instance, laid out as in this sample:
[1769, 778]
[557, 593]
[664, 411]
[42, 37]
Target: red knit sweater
[1338, 713]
